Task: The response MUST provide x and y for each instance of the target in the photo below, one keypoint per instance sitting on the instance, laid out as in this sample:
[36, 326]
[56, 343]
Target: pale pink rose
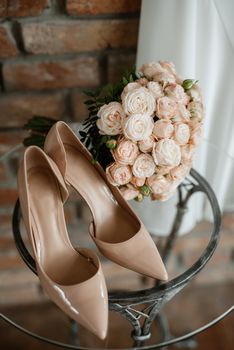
[130, 87]
[158, 184]
[150, 69]
[164, 196]
[168, 192]
[139, 101]
[196, 110]
[163, 128]
[181, 133]
[194, 122]
[187, 153]
[176, 92]
[169, 67]
[166, 153]
[155, 88]
[164, 77]
[146, 145]
[195, 93]
[142, 81]
[144, 166]
[129, 192]
[138, 181]
[182, 114]
[118, 174]
[166, 108]
[180, 172]
[126, 152]
[163, 170]
[110, 119]
[138, 127]
[196, 134]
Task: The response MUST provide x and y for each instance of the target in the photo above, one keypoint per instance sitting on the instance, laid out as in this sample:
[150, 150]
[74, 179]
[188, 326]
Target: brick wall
[50, 50]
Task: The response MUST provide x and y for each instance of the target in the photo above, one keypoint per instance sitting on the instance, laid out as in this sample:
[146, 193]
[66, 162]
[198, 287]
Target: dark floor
[190, 309]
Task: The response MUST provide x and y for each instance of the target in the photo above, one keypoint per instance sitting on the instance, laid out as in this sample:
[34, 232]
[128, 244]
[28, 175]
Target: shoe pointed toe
[94, 315]
[85, 302]
[139, 254]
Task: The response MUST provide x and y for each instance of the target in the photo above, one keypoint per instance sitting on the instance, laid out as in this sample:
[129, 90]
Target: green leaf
[89, 102]
[83, 133]
[188, 84]
[145, 190]
[93, 108]
[125, 81]
[34, 140]
[89, 92]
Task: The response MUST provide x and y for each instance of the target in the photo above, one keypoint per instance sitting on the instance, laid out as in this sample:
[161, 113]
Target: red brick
[8, 196]
[11, 262]
[9, 139]
[79, 109]
[94, 7]
[7, 43]
[22, 8]
[3, 173]
[6, 241]
[79, 36]
[51, 74]
[16, 109]
[119, 63]
[5, 227]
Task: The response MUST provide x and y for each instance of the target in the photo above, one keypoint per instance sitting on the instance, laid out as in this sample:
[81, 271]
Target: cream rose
[129, 192]
[163, 129]
[166, 153]
[130, 87]
[144, 166]
[166, 108]
[164, 196]
[139, 101]
[182, 114]
[176, 92]
[142, 81]
[155, 89]
[196, 110]
[195, 93]
[126, 152]
[158, 184]
[110, 119]
[138, 127]
[181, 133]
[164, 77]
[196, 134]
[118, 174]
[146, 145]
[150, 69]
[168, 66]
[163, 170]
[187, 153]
[138, 181]
[180, 172]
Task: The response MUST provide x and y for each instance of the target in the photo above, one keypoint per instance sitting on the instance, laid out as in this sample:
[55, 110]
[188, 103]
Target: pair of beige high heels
[73, 278]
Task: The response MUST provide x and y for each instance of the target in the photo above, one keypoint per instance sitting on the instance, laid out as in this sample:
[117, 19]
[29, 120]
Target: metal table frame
[127, 303]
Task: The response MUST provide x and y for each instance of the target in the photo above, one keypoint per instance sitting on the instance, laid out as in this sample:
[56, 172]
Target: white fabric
[198, 36]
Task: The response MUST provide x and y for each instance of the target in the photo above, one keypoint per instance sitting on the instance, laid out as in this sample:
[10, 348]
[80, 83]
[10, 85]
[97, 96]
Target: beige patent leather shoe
[73, 279]
[117, 231]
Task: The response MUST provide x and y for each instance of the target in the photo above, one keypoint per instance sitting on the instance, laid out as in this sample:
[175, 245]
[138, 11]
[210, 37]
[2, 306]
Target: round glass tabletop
[204, 299]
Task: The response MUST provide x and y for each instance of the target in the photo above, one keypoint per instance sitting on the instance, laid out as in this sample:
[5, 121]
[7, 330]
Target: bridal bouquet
[144, 131]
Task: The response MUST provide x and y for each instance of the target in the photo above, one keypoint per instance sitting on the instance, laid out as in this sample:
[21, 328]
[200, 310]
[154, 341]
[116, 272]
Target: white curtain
[198, 36]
